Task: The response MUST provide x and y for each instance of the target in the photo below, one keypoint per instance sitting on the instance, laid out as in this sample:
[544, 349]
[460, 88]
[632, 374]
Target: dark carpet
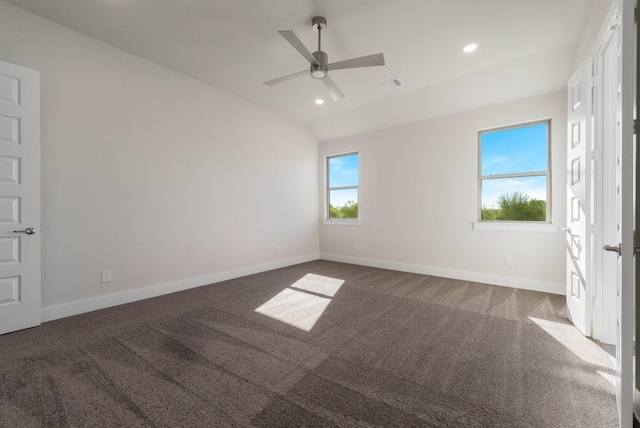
[389, 349]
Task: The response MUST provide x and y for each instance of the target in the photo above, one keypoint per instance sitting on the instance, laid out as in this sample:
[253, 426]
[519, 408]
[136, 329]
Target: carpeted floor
[382, 348]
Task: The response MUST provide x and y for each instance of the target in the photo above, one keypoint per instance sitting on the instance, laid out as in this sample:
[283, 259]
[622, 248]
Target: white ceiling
[527, 47]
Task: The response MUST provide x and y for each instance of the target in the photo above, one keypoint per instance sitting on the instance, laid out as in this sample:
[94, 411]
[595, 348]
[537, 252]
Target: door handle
[617, 248]
[28, 231]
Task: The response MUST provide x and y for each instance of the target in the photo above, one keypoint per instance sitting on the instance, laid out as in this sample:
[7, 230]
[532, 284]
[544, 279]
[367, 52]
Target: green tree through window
[348, 210]
[516, 206]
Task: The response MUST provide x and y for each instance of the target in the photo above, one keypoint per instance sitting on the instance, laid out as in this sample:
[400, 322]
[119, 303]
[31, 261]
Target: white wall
[418, 200]
[163, 180]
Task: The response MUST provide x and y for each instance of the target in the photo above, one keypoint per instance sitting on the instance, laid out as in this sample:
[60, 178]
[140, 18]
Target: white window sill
[515, 227]
[342, 221]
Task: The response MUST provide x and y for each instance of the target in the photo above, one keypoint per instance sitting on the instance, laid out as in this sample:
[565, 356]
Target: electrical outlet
[356, 247]
[508, 262]
[106, 276]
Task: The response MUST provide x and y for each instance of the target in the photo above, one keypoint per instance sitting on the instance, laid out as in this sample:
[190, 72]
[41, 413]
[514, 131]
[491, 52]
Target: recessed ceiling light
[319, 101]
[470, 47]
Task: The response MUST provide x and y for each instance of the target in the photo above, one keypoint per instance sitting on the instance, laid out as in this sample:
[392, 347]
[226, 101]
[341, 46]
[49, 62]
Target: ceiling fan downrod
[319, 70]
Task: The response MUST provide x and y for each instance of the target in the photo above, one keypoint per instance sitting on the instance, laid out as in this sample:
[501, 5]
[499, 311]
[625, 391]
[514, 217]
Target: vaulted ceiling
[525, 48]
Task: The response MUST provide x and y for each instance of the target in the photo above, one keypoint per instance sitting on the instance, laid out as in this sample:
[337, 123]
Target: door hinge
[594, 81]
[615, 21]
[596, 155]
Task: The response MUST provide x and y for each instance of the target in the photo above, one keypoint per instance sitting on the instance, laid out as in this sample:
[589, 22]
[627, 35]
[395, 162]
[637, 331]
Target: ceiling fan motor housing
[319, 70]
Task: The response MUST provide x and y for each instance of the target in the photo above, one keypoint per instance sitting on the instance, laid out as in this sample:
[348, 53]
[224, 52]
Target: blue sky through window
[514, 151]
[343, 171]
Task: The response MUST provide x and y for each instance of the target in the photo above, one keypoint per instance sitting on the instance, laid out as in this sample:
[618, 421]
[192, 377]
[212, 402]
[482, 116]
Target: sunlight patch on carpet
[297, 306]
[301, 310]
[609, 377]
[571, 338]
[319, 284]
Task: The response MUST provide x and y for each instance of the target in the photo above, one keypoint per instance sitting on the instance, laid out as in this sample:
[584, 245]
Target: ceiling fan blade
[335, 93]
[363, 61]
[285, 78]
[290, 37]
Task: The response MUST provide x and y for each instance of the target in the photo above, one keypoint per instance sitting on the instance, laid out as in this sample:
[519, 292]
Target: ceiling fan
[319, 60]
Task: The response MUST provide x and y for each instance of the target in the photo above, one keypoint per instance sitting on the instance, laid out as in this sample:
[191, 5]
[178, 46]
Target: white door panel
[578, 199]
[19, 197]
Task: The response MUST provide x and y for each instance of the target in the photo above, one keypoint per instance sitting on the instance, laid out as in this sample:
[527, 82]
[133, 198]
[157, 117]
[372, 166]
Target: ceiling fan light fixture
[318, 73]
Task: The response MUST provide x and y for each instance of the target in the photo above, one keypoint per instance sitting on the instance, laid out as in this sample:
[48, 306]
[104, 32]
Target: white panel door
[578, 203]
[625, 205]
[19, 198]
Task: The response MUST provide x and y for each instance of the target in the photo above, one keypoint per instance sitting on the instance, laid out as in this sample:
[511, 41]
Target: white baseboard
[64, 310]
[51, 313]
[505, 281]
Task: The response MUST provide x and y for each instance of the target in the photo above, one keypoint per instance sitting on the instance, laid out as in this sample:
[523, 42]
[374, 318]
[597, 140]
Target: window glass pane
[514, 150]
[343, 203]
[343, 171]
[514, 199]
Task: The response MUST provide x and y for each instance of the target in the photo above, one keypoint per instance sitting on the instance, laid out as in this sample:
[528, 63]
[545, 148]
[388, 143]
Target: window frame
[546, 173]
[327, 219]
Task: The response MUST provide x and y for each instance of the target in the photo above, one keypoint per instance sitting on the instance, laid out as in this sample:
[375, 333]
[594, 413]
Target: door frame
[625, 302]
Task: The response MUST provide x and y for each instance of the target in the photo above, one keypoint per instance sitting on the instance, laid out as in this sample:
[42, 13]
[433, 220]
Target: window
[514, 177]
[342, 186]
